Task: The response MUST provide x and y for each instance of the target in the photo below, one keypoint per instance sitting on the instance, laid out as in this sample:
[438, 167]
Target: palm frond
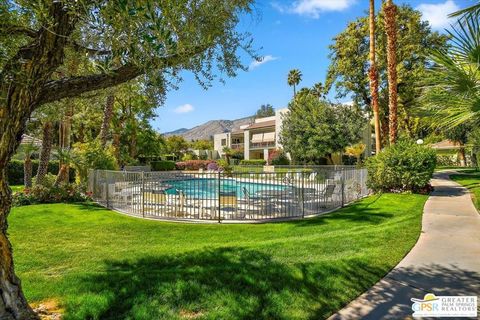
[473, 10]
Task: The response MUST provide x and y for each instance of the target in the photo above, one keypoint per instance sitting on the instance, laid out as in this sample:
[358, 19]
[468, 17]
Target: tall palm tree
[107, 117]
[65, 157]
[45, 151]
[28, 150]
[453, 95]
[373, 75]
[294, 78]
[391, 30]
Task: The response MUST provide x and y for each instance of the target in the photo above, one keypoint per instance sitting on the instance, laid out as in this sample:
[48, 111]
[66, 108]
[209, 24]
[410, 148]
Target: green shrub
[15, 170]
[92, 155]
[163, 165]
[405, 166]
[69, 193]
[278, 158]
[447, 160]
[193, 164]
[253, 162]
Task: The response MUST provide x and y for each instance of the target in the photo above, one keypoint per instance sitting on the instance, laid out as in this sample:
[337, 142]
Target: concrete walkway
[445, 260]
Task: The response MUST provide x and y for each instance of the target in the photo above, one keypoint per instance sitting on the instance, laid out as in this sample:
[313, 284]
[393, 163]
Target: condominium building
[261, 137]
[256, 140]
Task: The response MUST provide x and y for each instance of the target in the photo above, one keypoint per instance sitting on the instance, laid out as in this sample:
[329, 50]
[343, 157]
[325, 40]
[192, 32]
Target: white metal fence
[181, 195]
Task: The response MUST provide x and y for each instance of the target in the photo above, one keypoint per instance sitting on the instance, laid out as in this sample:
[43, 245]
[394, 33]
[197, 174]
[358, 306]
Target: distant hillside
[210, 128]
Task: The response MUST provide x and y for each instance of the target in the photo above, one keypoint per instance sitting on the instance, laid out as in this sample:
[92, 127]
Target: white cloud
[313, 8]
[184, 108]
[437, 14]
[257, 63]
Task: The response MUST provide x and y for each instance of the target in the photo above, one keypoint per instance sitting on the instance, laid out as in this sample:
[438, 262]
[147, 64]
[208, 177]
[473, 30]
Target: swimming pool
[209, 188]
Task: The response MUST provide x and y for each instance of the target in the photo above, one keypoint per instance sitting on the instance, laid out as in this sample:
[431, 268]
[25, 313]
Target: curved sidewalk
[444, 261]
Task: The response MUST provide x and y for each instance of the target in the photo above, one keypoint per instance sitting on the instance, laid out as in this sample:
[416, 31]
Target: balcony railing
[236, 146]
[261, 145]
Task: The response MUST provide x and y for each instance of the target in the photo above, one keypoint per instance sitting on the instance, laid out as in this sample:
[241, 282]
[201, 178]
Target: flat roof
[264, 124]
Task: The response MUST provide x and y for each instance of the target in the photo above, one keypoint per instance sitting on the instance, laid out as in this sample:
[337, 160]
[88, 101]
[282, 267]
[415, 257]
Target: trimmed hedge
[162, 165]
[253, 162]
[15, 170]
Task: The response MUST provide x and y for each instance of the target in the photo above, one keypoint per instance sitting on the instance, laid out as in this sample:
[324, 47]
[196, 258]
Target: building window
[224, 142]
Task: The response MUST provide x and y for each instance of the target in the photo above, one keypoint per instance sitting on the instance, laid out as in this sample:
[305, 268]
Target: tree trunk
[462, 157]
[116, 146]
[45, 153]
[391, 30]
[62, 175]
[107, 117]
[27, 172]
[373, 74]
[23, 78]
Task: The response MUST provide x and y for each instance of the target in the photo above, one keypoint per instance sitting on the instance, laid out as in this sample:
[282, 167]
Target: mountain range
[210, 128]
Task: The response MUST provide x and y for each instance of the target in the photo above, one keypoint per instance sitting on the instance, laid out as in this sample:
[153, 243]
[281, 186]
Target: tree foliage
[452, 96]
[349, 67]
[313, 128]
[124, 40]
[265, 110]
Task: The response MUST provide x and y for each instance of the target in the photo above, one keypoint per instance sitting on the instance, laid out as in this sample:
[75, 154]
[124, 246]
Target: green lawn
[471, 180]
[98, 264]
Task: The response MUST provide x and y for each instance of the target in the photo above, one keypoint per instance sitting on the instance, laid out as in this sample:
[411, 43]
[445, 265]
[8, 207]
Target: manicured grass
[17, 188]
[98, 264]
[471, 180]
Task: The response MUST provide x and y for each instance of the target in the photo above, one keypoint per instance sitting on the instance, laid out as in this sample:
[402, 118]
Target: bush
[213, 166]
[449, 160]
[92, 155]
[278, 158]
[68, 193]
[253, 162]
[15, 170]
[189, 156]
[405, 166]
[193, 164]
[163, 165]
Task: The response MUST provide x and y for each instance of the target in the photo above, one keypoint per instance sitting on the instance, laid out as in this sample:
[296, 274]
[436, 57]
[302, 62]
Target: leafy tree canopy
[315, 128]
[265, 110]
[349, 54]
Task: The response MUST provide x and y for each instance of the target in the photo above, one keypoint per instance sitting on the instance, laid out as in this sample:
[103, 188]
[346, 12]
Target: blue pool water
[208, 188]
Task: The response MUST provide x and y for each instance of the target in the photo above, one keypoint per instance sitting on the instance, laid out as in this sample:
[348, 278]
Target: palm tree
[65, 158]
[373, 75]
[453, 94]
[45, 151]
[107, 117]
[318, 90]
[294, 78]
[472, 11]
[356, 151]
[228, 153]
[391, 30]
[28, 150]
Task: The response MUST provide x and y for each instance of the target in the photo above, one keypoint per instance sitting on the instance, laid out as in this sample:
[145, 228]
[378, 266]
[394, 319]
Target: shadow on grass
[357, 212]
[231, 283]
[392, 299]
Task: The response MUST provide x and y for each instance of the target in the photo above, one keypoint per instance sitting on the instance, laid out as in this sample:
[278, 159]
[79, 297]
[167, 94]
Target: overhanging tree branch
[18, 30]
[72, 87]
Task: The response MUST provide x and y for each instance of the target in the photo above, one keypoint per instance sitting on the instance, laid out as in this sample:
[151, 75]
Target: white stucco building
[261, 137]
[256, 140]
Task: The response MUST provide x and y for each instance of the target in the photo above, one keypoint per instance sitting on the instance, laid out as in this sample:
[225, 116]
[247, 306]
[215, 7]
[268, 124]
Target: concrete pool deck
[444, 261]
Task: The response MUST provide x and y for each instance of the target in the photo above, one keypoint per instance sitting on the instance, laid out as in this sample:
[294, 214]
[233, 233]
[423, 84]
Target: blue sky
[289, 34]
